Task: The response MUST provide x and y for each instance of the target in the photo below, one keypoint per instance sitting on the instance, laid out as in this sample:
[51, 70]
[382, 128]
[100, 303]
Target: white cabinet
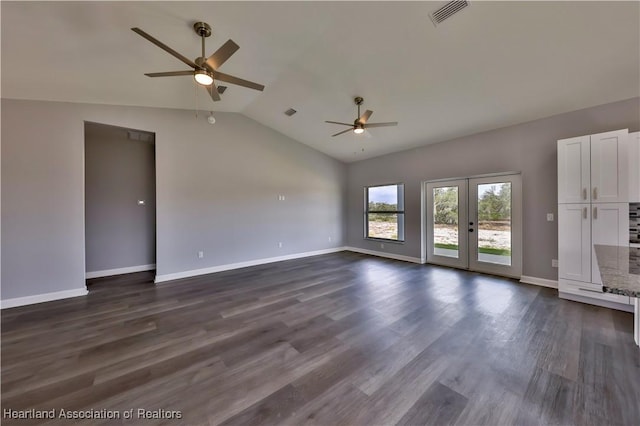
[609, 160]
[609, 226]
[593, 191]
[574, 170]
[574, 242]
[634, 167]
[594, 168]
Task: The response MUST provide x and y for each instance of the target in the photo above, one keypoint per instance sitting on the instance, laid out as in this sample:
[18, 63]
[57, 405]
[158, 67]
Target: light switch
[549, 217]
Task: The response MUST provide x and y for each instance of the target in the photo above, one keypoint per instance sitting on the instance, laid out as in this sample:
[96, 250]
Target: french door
[476, 224]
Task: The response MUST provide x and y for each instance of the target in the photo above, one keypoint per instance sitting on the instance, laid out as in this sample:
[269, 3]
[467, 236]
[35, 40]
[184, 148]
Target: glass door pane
[494, 223]
[446, 223]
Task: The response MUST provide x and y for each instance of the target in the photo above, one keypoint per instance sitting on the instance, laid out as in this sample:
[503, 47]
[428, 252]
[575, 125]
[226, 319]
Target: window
[384, 212]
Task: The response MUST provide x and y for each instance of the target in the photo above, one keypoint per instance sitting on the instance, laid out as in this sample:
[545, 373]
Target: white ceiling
[494, 64]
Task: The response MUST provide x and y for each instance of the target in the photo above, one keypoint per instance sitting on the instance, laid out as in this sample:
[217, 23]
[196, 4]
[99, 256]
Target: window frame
[399, 212]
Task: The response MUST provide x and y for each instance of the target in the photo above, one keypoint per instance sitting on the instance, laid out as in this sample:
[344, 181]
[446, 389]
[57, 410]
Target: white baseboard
[595, 302]
[543, 282]
[39, 298]
[227, 267]
[119, 271]
[383, 254]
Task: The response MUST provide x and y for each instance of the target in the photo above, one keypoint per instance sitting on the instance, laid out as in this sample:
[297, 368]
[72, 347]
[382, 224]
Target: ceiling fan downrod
[203, 30]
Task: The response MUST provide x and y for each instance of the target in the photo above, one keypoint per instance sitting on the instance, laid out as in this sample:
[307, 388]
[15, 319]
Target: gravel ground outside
[490, 234]
[383, 230]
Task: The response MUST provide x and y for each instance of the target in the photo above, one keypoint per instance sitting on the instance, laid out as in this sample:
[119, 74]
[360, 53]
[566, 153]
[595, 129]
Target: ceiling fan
[205, 70]
[360, 123]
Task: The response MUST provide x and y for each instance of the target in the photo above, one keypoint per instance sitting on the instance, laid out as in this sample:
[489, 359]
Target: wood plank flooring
[329, 340]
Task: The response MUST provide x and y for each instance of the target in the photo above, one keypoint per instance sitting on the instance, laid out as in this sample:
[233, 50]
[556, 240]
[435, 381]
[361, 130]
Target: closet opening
[120, 205]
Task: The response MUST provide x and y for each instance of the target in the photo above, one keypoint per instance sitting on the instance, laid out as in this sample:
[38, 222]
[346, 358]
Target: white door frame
[515, 270]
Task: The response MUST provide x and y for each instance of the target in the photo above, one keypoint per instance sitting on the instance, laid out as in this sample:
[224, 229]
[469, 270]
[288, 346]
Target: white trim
[119, 271]
[596, 302]
[486, 175]
[229, 266]
[383, 254]
[543, 282]
[39, 298]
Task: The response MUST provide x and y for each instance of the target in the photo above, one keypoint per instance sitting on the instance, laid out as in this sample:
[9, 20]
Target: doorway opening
[475, 223]
[120, 201]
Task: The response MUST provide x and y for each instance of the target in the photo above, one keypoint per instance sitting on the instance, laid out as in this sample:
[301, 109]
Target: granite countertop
[619, 269]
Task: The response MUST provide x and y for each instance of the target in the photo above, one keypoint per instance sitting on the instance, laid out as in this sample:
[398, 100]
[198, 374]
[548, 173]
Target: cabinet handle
[584, 212]
[590, 290]
[595, 212]
[584, 193]
[595, 193]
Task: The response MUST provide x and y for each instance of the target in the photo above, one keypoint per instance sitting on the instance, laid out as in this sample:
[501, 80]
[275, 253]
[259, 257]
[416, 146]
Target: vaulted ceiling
[491, 65]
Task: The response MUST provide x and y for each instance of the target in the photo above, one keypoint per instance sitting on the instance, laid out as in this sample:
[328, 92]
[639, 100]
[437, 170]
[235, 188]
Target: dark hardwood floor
[336, 339]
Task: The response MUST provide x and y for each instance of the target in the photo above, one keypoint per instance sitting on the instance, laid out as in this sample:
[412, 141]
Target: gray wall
[529, 148]
[119, 171]
[217, 191]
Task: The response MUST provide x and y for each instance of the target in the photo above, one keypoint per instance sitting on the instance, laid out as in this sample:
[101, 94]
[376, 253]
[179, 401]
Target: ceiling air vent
[448, 10]
[290, 112]
[134, 135]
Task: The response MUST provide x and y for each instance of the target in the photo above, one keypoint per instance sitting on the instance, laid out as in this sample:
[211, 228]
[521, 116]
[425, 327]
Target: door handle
[584, 212]
[595, 212]
[584, 193]
[595, 193]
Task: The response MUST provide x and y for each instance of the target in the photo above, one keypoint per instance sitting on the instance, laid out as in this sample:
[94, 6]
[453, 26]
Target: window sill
[384, 240]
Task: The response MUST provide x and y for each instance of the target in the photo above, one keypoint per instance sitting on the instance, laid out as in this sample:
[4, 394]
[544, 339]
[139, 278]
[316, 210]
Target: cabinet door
[574, 242]
[573, 170]
[609, 226]
[609, 162]
[634, 167]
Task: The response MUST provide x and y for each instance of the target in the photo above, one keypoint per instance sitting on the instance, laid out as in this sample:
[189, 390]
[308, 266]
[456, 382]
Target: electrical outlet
[280, 245]
[200, 254]
[549, 217]
[330, 239]
[554, 263]
[381, 245]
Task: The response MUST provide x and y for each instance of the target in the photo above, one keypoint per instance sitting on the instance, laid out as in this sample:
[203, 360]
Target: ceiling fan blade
[221, 55]
[164, 47]
[337, 122]
[213, 92]
[364, 117]
[344, 131]
[169, 73]
[391, 123]
[235, 80]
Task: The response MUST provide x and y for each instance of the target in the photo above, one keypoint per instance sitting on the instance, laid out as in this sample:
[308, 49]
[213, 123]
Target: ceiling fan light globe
[203, 78]
[358, 130]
